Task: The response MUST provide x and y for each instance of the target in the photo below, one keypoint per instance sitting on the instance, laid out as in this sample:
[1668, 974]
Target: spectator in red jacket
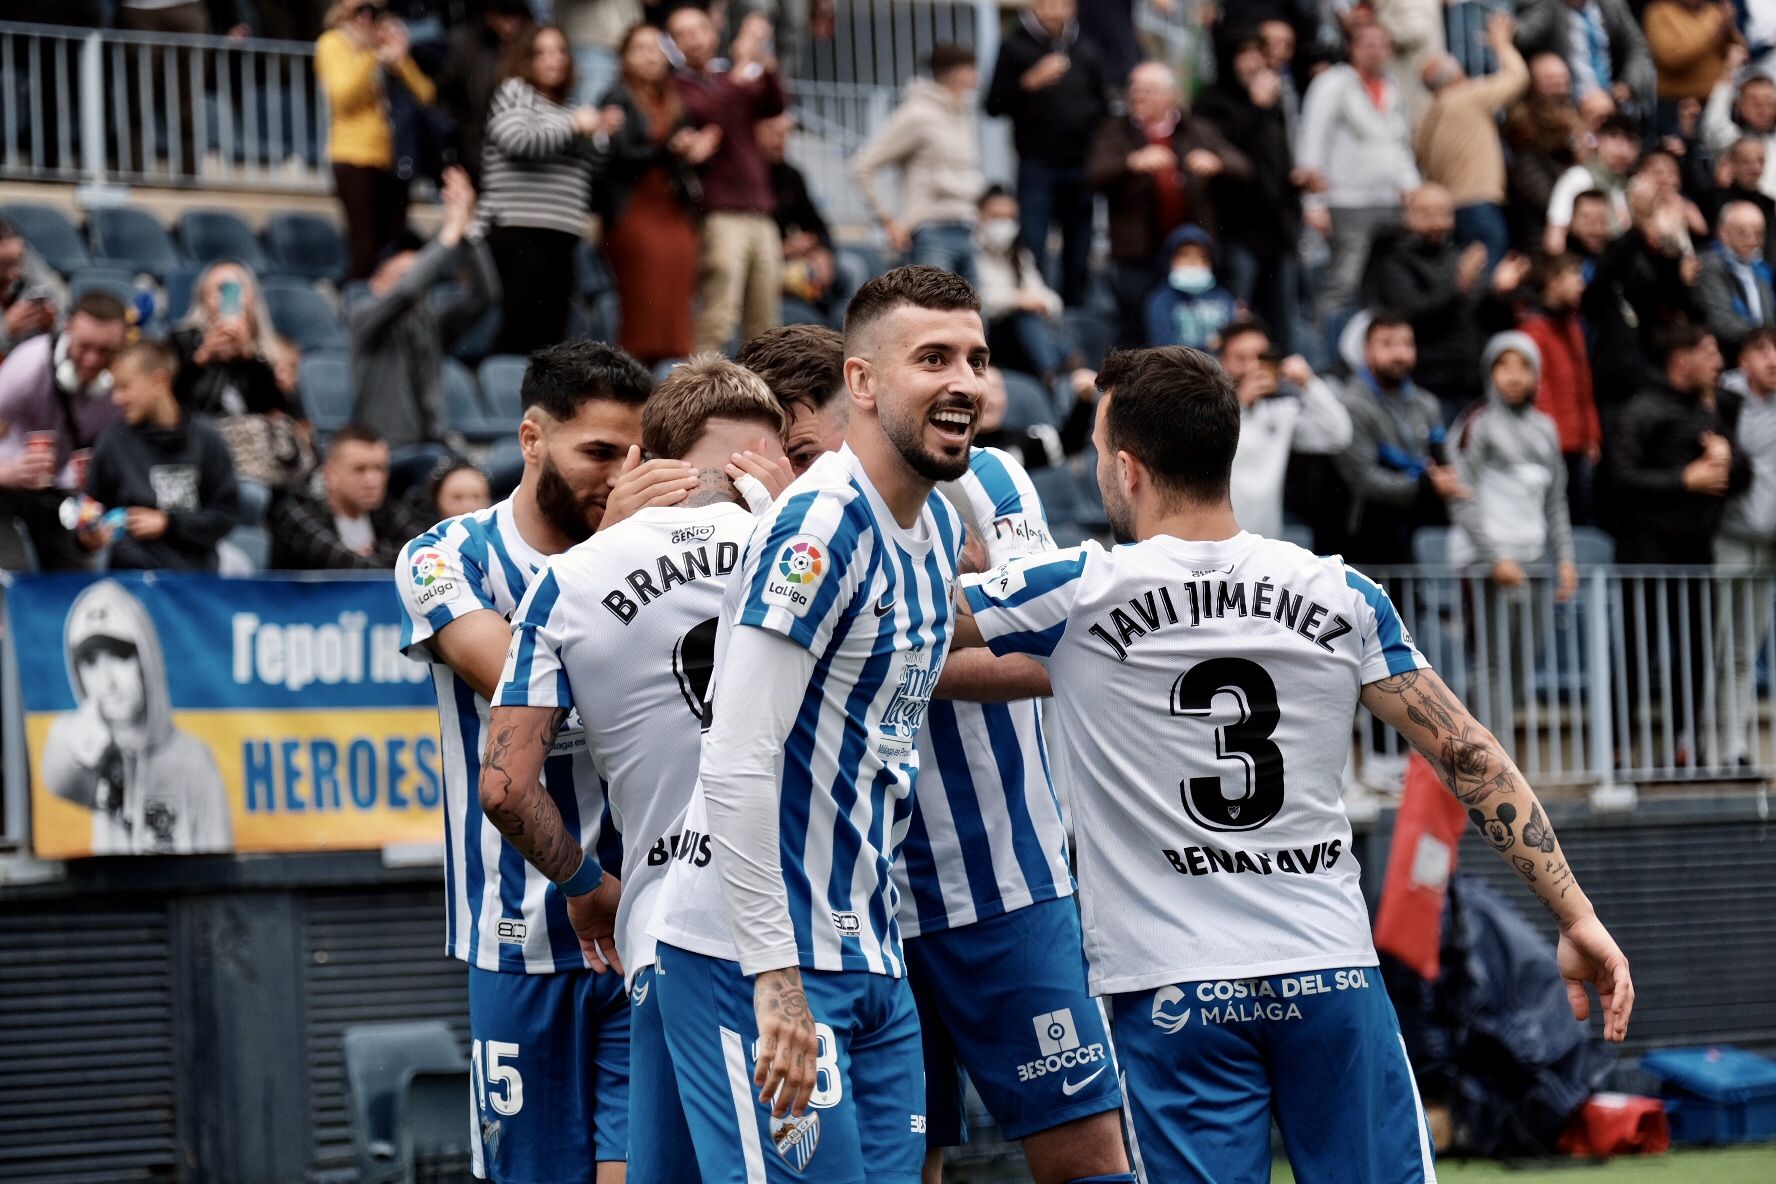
[1565, 392]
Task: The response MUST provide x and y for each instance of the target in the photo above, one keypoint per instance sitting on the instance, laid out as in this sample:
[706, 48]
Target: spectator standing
[1396, 469]
[1286, 410]
[1601, 43]
[1051, 83]
[31, 294]
[741, 268]
[228, 370]
[1736, 177]
[471, 74]
[810, 267]
[1688, 41]
[350, 523]
[537, 175]
[1542, 130]
[1746, 110]
[1189, 307]
[933, 139]
[1642, 283]
[1592, 229]
[649, 199]
[1734, 287]
[55, 400]
[1418, 269]
[1261, 220]
[170, 471]
[1160, 166]
[398, 335]
[1016, 303]
[364, 52]
[1564, 393]
[1355, 143]
[1607, 171]
[1458, 144]
[1746, 545]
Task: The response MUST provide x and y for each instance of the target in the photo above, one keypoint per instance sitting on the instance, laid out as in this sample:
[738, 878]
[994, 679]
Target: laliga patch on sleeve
[794, 572]
[433, 574]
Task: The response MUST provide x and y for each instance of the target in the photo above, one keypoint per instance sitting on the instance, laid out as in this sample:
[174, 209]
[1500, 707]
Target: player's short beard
[906, 432]
[1118, 514]
[557, 503]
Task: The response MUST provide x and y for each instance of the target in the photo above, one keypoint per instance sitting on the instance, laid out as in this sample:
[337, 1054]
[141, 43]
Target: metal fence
[81, 105]
[1643, 674]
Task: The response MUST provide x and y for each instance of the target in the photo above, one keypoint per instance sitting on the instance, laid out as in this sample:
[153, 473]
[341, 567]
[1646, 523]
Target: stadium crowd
[1515, 286]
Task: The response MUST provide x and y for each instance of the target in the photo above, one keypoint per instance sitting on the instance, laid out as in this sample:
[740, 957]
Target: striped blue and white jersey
[987, 836]
[622, 629]
[499, 912]
[829, 568]
[1206, 691]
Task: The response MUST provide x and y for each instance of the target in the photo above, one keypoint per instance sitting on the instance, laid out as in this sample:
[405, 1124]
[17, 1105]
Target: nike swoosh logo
[884, 606]
[1072, 1087]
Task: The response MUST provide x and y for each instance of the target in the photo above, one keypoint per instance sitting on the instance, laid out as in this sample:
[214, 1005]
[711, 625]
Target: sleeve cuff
[782, 957]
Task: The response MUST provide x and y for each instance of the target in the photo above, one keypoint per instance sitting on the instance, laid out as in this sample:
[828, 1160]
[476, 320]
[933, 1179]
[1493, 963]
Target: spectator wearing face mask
[1017, 305]
[55, 400]
[1735, 288]
[1189, 307]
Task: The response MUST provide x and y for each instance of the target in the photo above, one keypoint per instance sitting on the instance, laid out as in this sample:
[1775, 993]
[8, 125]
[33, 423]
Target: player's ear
[1132, 474]
[530, 437]
[860, 382]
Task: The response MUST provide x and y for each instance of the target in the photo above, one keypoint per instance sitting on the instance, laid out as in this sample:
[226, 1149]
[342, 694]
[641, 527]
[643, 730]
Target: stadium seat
[253, 543]
[1061, 502]
[180, 287]
[209, 235]
[1026, 402]
[434, 1140]
[504, 464]
[502, 380]
[123, 236]
[306, 246]
[463, 409]
[382, 1063]
[50, 233]
[116, 281]
[1090, 332]
[304, 315]
[327, 394]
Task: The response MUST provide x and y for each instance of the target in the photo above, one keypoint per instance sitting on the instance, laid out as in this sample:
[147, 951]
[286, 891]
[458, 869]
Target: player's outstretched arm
[514, 800]
[976, 676]
[1503, 807]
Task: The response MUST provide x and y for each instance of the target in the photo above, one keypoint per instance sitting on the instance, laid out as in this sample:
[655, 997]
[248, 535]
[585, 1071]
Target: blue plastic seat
[502, 382]
[1090, 332]
[209, 235]
[132, 239]
[180, 287]
[303, 315]
[304, 245]
[327, 394]
[51, 234]
[464, 410]
[117, 282]
[1027, 403]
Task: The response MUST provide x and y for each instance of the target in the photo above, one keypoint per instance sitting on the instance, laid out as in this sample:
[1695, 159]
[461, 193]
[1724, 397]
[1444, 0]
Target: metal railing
[81, 105]
[1644, 674]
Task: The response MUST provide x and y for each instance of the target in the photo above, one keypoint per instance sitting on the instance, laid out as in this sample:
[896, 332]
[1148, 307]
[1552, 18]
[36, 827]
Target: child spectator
[172, 473]
[1565, 393]
[1189, 307]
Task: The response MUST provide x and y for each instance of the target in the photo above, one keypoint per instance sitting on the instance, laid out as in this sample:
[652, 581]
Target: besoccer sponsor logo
[431, 577]
[796, 1139]
[1059, 1049]
[1168, 1021]
[801, 563]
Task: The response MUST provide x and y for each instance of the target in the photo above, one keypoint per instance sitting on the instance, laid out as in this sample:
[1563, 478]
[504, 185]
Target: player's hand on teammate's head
[761, 481]
[1588, 954]
[642, 484]
[593, 916]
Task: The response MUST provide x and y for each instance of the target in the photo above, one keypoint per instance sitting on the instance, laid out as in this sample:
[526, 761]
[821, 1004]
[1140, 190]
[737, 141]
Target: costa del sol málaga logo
[801, 563]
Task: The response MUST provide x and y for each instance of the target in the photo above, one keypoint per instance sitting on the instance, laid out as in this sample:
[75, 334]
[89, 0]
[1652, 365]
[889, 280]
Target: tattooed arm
[514, 800]
[1505, 810]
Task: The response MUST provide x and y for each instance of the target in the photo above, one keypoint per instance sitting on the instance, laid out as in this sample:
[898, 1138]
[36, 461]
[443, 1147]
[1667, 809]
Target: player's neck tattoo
[713, 488]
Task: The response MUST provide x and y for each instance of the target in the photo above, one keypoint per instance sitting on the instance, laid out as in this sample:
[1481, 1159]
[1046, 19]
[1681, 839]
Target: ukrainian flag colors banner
[171, 713]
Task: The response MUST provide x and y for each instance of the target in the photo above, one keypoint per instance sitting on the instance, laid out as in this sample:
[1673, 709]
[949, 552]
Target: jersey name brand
[1301, 861]
[1156, 610]
[691, 565]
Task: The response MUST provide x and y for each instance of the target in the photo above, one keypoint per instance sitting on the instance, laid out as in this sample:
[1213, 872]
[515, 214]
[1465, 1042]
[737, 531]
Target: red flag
[1427, 832]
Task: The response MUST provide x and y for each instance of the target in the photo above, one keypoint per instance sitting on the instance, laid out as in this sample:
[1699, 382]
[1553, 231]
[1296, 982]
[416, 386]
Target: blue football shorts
[660, 1149]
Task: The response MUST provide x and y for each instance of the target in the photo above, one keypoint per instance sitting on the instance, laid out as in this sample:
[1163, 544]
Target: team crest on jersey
[790, 581]
[796, 1138]
[432, 576]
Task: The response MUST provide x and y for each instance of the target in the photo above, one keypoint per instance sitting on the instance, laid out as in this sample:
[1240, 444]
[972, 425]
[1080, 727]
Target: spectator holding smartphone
[30, 293]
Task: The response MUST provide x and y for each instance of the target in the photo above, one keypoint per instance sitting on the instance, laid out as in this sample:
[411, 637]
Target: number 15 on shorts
[495, 1082]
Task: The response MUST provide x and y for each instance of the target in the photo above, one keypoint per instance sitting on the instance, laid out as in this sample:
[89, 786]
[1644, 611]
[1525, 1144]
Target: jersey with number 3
[1206, 692]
